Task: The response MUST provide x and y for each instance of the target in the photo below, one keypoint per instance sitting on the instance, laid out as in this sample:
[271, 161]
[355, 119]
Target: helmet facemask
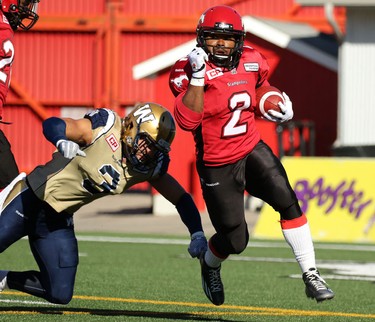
[21, 13]
[144, 153]
[230, 61]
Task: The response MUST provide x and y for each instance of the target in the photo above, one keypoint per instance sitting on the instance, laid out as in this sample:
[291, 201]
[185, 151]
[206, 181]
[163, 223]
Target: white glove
[197, 60]
[198, 244]
[69, 149]
[286, 113]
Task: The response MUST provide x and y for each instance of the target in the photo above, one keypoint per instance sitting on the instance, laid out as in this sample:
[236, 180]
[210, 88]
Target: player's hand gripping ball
[273, 105]
[268, 98]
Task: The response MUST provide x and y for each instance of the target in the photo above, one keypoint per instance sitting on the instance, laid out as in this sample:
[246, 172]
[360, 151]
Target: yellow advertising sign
[336, 194]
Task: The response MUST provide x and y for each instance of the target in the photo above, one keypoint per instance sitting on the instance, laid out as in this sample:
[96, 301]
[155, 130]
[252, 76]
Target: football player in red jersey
[215, 98]
[14, 14]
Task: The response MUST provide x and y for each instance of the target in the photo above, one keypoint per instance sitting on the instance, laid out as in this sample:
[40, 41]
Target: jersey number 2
[8, 49]
[238, 102]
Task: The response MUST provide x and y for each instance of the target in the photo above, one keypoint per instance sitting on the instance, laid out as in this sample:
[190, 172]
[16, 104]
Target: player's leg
[55, 249]
[17, 203]
[8, 165]
[267, 179]
[14, 220]
[223, 193]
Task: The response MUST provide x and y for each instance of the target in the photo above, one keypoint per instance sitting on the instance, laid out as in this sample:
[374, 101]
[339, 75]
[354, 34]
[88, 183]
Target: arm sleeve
[187, 119]
[189, 213]
[179, 76]
[54, 129]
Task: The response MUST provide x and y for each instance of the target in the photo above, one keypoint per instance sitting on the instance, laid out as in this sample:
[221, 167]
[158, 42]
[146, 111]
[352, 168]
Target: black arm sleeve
[189, 213]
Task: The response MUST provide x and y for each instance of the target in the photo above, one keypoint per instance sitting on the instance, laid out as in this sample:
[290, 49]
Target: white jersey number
[8, 48]
[237, 103]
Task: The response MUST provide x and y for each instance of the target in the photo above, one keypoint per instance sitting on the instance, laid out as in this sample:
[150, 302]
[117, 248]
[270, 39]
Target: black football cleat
[316, 287]
[211, 283]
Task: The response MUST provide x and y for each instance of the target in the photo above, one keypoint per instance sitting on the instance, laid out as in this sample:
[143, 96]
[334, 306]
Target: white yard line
[166, 241]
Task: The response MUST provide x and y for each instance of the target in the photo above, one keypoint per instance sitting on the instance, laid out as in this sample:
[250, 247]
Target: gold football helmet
[148, 131]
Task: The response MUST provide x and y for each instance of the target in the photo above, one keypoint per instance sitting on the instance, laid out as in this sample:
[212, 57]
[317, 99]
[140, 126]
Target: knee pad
[233, 242]
[59, 298]
[239, 243]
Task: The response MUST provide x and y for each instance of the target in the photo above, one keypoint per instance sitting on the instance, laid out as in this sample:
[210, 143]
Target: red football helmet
[222, 19]
[20, 13]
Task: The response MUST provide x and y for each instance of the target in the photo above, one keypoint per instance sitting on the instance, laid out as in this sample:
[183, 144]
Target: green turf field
[123, 278]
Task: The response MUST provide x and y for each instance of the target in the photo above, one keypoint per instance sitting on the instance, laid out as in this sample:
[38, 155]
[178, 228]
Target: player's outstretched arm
[170, 188]
[68, 135]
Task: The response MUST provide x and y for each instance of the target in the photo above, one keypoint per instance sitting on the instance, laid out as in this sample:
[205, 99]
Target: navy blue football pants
[262, 175]
[8, 166]
[52, 243]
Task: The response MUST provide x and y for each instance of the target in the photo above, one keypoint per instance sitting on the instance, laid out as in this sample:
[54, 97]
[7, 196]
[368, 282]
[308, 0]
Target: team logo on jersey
[112, 142]
[213, 73]
[251, 67]
[178, 81]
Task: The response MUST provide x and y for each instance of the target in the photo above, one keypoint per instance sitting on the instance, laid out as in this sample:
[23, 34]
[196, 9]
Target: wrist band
[197, 81]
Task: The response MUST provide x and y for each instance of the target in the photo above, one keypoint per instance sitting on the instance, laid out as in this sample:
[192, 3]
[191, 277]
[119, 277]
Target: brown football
[268, 98]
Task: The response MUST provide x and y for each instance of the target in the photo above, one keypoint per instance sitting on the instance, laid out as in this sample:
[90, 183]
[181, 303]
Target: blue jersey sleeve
[100, 117]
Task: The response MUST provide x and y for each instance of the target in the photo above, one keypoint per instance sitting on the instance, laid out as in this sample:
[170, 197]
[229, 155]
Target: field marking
[235, 310]
[178, 241]
[23, 302]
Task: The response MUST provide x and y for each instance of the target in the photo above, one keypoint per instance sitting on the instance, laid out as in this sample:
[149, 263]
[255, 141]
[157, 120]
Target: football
[268, 98]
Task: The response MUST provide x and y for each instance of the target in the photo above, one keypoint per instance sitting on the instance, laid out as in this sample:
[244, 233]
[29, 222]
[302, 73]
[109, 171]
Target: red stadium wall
[81, 54]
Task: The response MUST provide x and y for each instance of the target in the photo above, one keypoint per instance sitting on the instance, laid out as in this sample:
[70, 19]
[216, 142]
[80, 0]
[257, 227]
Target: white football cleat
[3, 284]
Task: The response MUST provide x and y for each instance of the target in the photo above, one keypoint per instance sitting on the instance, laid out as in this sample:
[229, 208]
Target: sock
[3, 280]
[298, 236]
[212, 257]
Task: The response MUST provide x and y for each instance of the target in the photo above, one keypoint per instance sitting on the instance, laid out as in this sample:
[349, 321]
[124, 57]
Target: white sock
[299, 239]
[3, 280]
[211, 259]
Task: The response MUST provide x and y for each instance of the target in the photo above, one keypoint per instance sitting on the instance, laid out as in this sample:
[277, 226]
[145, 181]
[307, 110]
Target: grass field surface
[152, 278]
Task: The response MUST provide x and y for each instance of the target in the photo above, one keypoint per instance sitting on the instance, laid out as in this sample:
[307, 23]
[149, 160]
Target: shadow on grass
[102, 312]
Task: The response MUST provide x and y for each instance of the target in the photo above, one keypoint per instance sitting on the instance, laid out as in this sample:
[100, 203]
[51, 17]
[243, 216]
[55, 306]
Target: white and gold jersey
[68, 184]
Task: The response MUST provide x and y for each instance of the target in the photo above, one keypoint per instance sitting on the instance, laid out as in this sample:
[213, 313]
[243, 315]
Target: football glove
[198, 244]
[197, 60]
[69, 149]
[286, 113]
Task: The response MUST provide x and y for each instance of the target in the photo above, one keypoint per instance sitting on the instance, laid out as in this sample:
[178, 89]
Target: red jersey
[6, 58]
[225, 132]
